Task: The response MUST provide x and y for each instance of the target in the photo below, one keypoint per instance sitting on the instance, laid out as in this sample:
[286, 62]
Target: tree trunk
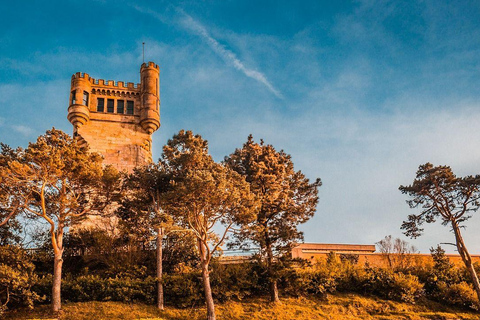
[159, 269]
[273, 279]
[57, 281]
[274, 291]
[467, 259]
[208, 292]
[204, 261]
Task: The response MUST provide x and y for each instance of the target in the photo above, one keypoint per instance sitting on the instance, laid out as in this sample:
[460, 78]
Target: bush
[458, 294]
[183, 290]
[94, 288]
[236, 281]
[16, 278]
[335, 275]
[393, 285]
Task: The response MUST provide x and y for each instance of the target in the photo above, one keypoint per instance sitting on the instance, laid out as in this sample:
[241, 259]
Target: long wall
[315, 252]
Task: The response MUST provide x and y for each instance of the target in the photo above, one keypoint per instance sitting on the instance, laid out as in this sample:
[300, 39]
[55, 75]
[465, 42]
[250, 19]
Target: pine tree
[205, 194]
[57, 181]
[286, 197]
[441, 194]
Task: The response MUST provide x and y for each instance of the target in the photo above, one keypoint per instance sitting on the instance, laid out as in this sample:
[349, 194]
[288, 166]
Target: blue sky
[359, 93]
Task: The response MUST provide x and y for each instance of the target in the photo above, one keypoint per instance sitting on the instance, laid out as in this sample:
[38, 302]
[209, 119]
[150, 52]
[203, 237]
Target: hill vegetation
[332, 307]
[165, 246]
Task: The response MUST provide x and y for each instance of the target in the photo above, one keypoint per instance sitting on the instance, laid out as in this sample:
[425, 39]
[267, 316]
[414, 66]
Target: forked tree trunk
[467, 259]
[57, 281]
[159, 269]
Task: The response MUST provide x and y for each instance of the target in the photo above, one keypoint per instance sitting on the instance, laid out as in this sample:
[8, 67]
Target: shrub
[457, 294]
[393, 285]
[183, 290]
[312, 282]
[235, 281]
[16, 278]
[94, 288]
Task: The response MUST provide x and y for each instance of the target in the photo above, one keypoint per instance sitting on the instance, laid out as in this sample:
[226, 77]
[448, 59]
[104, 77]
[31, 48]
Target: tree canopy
[55, 180]
[205, 194]
[442, 195]
[286, 199]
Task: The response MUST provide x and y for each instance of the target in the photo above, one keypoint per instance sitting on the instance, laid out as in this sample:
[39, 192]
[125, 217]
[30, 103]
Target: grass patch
[334, 307]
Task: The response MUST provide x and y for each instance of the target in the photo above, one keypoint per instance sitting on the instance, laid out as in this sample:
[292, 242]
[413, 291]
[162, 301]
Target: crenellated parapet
[105, 83]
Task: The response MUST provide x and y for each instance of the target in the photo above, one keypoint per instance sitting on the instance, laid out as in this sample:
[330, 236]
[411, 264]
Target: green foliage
[240, 281]
[447, 284]
[349, 257]
[10, 232]
[16, 278]
[184, 289]
[337, 307]
[10, 206]
[457, 294]
[442, 195]
[96, 288]
[204, 193]
[141, 212]
[286, 199]
[93, 251]
[106, 254]
[443, 270]
[337, 276]
[393, 285]
[235, 281]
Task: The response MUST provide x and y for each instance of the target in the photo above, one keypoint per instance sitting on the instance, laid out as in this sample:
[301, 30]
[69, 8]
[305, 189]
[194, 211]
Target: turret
[150, 97]
[78, 110]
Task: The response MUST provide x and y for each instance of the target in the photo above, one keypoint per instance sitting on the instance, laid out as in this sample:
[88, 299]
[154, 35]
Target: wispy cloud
[228, 56]
[23, 130]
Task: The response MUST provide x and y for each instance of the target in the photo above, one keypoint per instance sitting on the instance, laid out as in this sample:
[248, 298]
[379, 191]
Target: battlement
[150, 65]
[106, 83]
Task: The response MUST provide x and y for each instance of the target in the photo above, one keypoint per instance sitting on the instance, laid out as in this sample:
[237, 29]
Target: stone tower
[114, 119]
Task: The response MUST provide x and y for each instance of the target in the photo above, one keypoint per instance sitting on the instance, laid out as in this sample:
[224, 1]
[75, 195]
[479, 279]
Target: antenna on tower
[143, 51]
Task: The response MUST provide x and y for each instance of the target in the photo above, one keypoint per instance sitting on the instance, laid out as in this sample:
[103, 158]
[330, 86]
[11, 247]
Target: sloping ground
[335, 307]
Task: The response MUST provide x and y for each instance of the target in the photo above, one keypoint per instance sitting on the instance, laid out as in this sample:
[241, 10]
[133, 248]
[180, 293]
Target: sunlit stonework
[117, 119]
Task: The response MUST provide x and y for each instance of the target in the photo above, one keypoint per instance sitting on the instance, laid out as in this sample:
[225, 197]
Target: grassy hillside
[339, 306]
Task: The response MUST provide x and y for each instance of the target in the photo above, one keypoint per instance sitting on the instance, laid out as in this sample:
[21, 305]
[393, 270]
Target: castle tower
[117, 120]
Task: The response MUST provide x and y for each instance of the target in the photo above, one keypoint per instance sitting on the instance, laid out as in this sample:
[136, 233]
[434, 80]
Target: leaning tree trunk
[159, 269]
[57, 281]
[467, 259]
[208, 292]
[206, 282]
[273, 279]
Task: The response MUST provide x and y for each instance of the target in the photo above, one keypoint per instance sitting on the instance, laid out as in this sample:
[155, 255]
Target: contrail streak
[228, 56]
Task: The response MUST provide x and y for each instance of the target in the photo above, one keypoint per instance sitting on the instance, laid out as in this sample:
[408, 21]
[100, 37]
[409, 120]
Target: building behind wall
[115, 119]
[365, 254]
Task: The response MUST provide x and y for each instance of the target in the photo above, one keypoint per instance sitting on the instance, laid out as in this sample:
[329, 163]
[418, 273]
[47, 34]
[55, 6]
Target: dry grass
[335, 307]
